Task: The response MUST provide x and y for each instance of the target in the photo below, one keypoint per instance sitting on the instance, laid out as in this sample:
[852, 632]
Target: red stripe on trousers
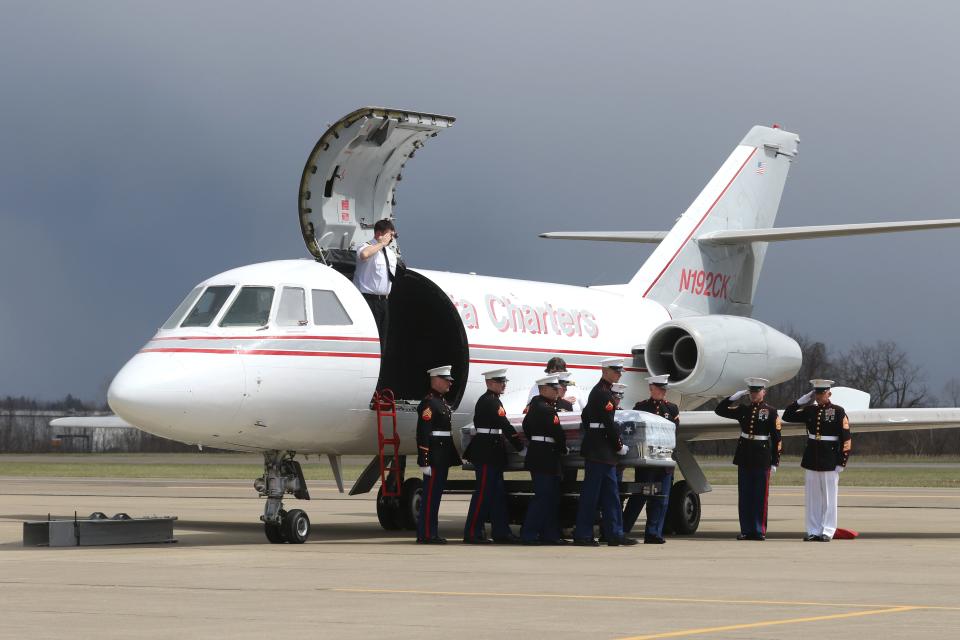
[476, 513]
[766, 498]
[426, 526]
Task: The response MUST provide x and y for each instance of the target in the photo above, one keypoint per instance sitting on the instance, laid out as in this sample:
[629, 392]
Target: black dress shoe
[559, 542]
[824, 538]
[658, 540]
[585, 542]
[477, 541]
[811, 538]
[530, 543]
[511, 539]
[622, 542]
[742, 536]
[437, 540]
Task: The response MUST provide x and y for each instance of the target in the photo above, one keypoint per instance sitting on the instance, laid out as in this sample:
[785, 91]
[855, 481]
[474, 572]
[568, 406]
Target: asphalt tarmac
[353, 580]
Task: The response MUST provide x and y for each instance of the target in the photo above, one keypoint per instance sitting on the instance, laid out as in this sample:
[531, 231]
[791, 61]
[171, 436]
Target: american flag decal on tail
[761, 167]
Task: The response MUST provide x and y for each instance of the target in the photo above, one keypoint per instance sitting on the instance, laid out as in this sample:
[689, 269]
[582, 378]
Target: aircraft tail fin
[690, 278]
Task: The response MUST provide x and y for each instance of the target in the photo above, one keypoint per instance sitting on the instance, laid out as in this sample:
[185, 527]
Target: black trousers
[380, 307]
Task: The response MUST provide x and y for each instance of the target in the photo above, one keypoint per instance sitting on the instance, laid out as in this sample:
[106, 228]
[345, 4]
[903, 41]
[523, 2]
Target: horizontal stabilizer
[92, 422]
[742, 236]
[653, 237]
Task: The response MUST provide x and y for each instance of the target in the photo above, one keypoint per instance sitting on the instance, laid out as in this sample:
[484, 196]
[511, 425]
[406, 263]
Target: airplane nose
[148, 390]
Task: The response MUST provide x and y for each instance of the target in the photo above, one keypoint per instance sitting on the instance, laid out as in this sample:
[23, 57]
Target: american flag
[761, 167]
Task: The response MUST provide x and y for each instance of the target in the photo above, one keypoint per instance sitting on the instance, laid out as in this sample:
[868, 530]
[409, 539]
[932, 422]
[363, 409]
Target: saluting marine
[546, 444]
[656, 404]
[600, 448]
[757, 456]
[435, 452]
[488, 454]
[825, 457]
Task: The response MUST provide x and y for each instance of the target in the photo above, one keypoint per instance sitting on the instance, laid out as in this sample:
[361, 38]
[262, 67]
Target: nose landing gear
[282, 475]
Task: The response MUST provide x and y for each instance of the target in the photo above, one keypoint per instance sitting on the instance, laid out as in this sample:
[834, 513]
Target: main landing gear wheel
[410, 498]
[683, 510]
[388, 511]
[296, 526]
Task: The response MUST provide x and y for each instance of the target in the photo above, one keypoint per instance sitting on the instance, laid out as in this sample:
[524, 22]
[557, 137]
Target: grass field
[878, 472]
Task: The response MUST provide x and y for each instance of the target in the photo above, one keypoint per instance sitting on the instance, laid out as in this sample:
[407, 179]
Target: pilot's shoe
[750, 536]
[511, 539]
[742, 536]
[437, 540]
[622, 542]
[659, 540]
[824, 538]
[559, 542]
[810, 537]
[585, 542]
[477, 541]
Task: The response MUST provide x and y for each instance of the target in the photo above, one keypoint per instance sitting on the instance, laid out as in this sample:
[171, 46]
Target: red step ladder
[386, 407]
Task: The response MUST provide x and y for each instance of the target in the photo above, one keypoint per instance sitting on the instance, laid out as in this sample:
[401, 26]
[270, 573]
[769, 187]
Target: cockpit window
[207, 307]
[250, 309]
[177, 315]
[327, 309]
[293, 310]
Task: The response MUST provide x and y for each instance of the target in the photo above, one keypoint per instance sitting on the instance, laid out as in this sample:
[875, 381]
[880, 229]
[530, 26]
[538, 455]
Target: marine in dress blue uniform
[435, 452]
[757, 455]
[828, 449]
[546, 445]
[488, 454]
[600, 448]
[656, 505]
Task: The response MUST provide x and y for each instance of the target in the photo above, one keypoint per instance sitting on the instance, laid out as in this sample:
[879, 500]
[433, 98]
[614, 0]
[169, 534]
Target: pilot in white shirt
[376, 269]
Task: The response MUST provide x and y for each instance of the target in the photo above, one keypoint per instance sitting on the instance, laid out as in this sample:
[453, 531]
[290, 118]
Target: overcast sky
[144, 148]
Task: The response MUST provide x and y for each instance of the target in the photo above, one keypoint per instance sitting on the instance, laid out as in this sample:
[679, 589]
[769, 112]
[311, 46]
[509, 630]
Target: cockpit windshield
[207, 307]
[250, 309]
[177, 315]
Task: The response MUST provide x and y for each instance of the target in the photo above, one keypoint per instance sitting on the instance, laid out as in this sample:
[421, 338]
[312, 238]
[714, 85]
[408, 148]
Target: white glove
[839, 469]
[426, 470]
[806, 399]
[523, 452]
[739, 394]
[773, 469]
[623, 450]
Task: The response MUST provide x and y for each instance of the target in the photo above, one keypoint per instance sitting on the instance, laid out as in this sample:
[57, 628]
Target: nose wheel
[282, 475]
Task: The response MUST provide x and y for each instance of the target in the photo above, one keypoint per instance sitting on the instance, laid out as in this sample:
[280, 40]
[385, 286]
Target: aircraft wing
[91, 422]
[706, 425]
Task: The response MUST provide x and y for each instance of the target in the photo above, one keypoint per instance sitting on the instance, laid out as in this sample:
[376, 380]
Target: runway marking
[569, 596]
[768, 623]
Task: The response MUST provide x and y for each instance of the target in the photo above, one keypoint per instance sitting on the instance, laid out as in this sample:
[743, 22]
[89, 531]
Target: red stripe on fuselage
[292, 337]
[521, 363]
[262, 352]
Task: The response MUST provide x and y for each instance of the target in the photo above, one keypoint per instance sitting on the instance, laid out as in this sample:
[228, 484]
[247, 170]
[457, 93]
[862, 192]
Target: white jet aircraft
[283, 357]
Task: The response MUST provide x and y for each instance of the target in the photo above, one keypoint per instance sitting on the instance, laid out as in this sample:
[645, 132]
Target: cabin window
[207, 307]
[293, 309]
[177, 315]
[327, 309]
[250, 309]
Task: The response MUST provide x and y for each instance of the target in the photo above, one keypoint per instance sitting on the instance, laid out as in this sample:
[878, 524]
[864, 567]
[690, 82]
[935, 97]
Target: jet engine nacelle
[711, 355]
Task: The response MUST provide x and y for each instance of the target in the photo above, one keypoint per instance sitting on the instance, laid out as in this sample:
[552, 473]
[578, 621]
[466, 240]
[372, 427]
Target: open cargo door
[350, 179]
